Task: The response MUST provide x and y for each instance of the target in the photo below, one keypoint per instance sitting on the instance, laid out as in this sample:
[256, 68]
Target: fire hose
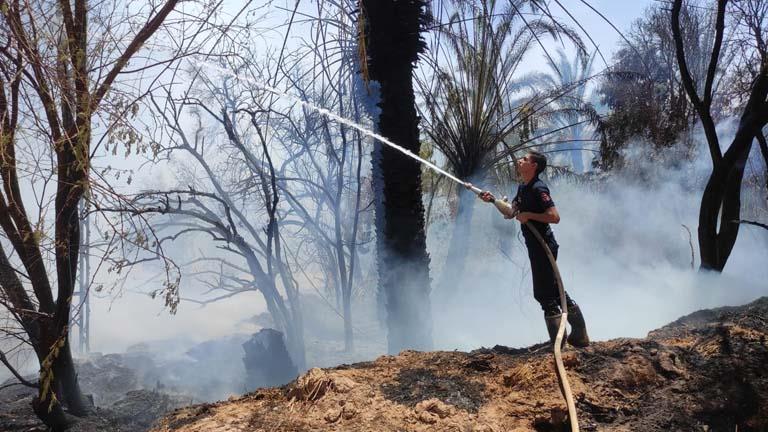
[507, 209]
[563, 379]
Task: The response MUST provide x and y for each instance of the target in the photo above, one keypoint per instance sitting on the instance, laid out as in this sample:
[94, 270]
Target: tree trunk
[58, 375]
[68, 234]
[349, 344]
[722, 200]
[393, 44]
[59, 387]
[577, 160]
[69, 387]
[455, 261]
[404, 265]
[577, 156]
[764, 151]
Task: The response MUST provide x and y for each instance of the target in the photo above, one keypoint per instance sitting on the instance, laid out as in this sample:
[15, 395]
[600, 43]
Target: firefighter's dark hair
[540, 159]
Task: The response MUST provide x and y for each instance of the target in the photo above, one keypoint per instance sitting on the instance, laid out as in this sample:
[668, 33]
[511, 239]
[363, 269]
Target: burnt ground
[703, 372]
[136, 411]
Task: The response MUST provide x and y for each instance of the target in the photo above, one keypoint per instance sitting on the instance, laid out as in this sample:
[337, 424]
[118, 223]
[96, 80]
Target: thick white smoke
[625, 257]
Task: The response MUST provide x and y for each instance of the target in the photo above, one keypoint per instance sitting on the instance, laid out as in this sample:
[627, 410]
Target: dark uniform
[534, 197]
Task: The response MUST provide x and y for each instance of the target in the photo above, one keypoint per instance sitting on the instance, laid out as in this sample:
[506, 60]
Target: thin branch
[4, 360]
[746, 222]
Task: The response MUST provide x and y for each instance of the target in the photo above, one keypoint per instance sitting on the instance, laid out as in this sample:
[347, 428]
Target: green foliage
[478, 111]
[122, 111]
[644, 92]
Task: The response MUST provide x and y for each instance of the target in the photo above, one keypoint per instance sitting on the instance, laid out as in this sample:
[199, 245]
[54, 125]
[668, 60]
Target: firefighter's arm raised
[506, 208]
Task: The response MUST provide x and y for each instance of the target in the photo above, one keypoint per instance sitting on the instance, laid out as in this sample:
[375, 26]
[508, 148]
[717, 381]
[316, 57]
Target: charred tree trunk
[391, 31]
[722, 195]
[721, 200]
[68, 197]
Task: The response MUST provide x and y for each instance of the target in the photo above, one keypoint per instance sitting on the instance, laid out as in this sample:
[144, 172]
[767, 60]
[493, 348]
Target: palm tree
[390, 48]
[477, 111]
[570, 73]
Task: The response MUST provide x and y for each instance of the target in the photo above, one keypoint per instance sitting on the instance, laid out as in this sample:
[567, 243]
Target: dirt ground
[703, 372]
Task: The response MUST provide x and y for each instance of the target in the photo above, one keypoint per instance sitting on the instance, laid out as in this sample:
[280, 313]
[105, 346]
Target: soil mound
[705, 372]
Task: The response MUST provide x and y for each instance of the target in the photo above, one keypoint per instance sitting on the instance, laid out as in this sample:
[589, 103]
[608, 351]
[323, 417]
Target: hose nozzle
[473, 188]
[503, 205]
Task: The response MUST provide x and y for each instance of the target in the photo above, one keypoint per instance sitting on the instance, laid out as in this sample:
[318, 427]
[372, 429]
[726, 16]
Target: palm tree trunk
[393, 43]
[404, 265]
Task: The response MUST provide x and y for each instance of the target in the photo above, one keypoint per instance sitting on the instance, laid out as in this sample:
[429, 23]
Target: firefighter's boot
[578, 337]
[553, 324]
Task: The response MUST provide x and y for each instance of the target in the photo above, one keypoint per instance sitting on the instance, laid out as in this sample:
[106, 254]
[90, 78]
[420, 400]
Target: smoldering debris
[267, 362]
[133, 411]
[158, 366]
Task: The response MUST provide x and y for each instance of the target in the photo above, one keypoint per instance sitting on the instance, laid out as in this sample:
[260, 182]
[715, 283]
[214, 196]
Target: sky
[621, 14]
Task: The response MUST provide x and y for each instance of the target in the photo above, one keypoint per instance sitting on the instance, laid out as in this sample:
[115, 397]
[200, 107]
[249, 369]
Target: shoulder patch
[545, 197]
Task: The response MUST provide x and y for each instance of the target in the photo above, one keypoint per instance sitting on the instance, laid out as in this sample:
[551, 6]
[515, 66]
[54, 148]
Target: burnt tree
[721, 202]
[392, 43]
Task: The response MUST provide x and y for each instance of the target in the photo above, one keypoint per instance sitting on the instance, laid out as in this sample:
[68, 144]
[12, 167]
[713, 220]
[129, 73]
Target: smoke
[625, 256]
[137, 318]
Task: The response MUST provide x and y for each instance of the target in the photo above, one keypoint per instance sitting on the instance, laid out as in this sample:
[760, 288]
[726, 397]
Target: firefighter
[533, 204]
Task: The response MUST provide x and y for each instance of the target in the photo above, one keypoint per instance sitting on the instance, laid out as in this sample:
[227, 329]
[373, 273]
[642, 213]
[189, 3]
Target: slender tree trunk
[68, 233]
[349, 344]
[577, 156]
[577, 160]
[333, 278]
[348, 335]
[288, 321]
[346, 287]
[455, 262]
[346, 282]
[764, 151]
